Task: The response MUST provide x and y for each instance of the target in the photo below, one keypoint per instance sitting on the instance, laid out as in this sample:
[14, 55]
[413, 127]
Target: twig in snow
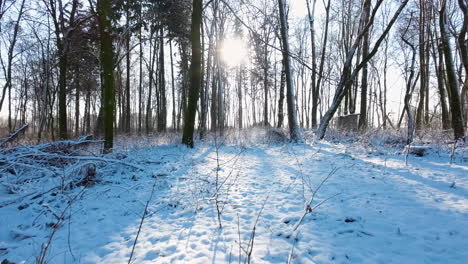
[309, 209]
[45, 247]
[216, 196]
[240, 241]
[141, 222]
[252, 234]
[291, 253]
[69, 235]
[304, 182]
[248, 251]
[52, 212]
[219, 184]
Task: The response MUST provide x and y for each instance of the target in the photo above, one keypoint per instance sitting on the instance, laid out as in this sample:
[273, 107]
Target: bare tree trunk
[204, 85]
[265, 85]
[365, 53]
[409, 86]
[195, 74]
[220, 103]
[239, 96]
[87, 115]
[148, 116]
[140, 77]
[77, 103]
[455, 103]
[107, 75]
[294, 130]
[127, 80]
[214, 97]
[348, 75]
[423, 63]
[173, 88]
[185, 83]
[119, 100]
[439, 69]
[383, 95]
[10, 103]
[281, 96]
[252, 91]
[316, 92]
[314, 88]
[162, 117]
[62, 39]
[463, 44]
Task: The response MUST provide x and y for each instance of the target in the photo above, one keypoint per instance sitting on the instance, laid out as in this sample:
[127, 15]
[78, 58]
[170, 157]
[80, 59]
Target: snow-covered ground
[372, 209]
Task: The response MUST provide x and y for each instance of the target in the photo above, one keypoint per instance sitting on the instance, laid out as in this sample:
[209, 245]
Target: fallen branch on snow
[13, 135]
[309, 209]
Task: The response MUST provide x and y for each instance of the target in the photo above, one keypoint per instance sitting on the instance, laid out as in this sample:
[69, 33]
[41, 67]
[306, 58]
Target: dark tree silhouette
[195, 75]
[107, 78]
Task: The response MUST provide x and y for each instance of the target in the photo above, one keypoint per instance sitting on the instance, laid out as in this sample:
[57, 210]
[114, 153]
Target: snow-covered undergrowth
[372, 209]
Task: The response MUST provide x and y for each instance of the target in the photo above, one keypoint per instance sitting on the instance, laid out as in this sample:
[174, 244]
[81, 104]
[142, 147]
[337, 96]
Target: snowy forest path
[374, 193]
[379, 210]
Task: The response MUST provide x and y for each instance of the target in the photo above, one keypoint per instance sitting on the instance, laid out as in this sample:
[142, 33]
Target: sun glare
[233, 51]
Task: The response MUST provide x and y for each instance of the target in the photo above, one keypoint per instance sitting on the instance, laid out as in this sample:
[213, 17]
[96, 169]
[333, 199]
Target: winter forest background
[294, 103]
[51, 65]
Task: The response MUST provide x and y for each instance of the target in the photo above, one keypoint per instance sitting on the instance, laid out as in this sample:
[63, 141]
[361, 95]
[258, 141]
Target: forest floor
[369, 207]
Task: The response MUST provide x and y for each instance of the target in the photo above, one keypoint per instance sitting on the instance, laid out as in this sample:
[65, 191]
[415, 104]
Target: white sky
[298, 8]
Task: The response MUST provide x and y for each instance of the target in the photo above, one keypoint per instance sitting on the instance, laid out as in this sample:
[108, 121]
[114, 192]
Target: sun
[233, 51]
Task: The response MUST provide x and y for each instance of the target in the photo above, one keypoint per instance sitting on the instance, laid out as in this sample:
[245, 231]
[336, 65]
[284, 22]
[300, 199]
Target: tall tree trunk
[140, 77]
[439, 69]
[265, 85]
[441, 88]
[281, 96]
[62, 93]
[294, 130]
[365, 52]
[221, 107]
[185, 71]
[313, 82]
[162, 85]
[455, 103]
[409, 85]
[423, 64]
[87, 116]
[173, 88]
[203, 88]
[107, 76]
[316, 92]
[62, 39]
[348, 75]
[77, 104]
[239, 96]
[195, 74]
[463, 44]
[127, 80]
[214, 96]
[148, 116]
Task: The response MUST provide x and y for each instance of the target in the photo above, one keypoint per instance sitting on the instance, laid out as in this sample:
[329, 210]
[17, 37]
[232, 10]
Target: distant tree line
[102, 67]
